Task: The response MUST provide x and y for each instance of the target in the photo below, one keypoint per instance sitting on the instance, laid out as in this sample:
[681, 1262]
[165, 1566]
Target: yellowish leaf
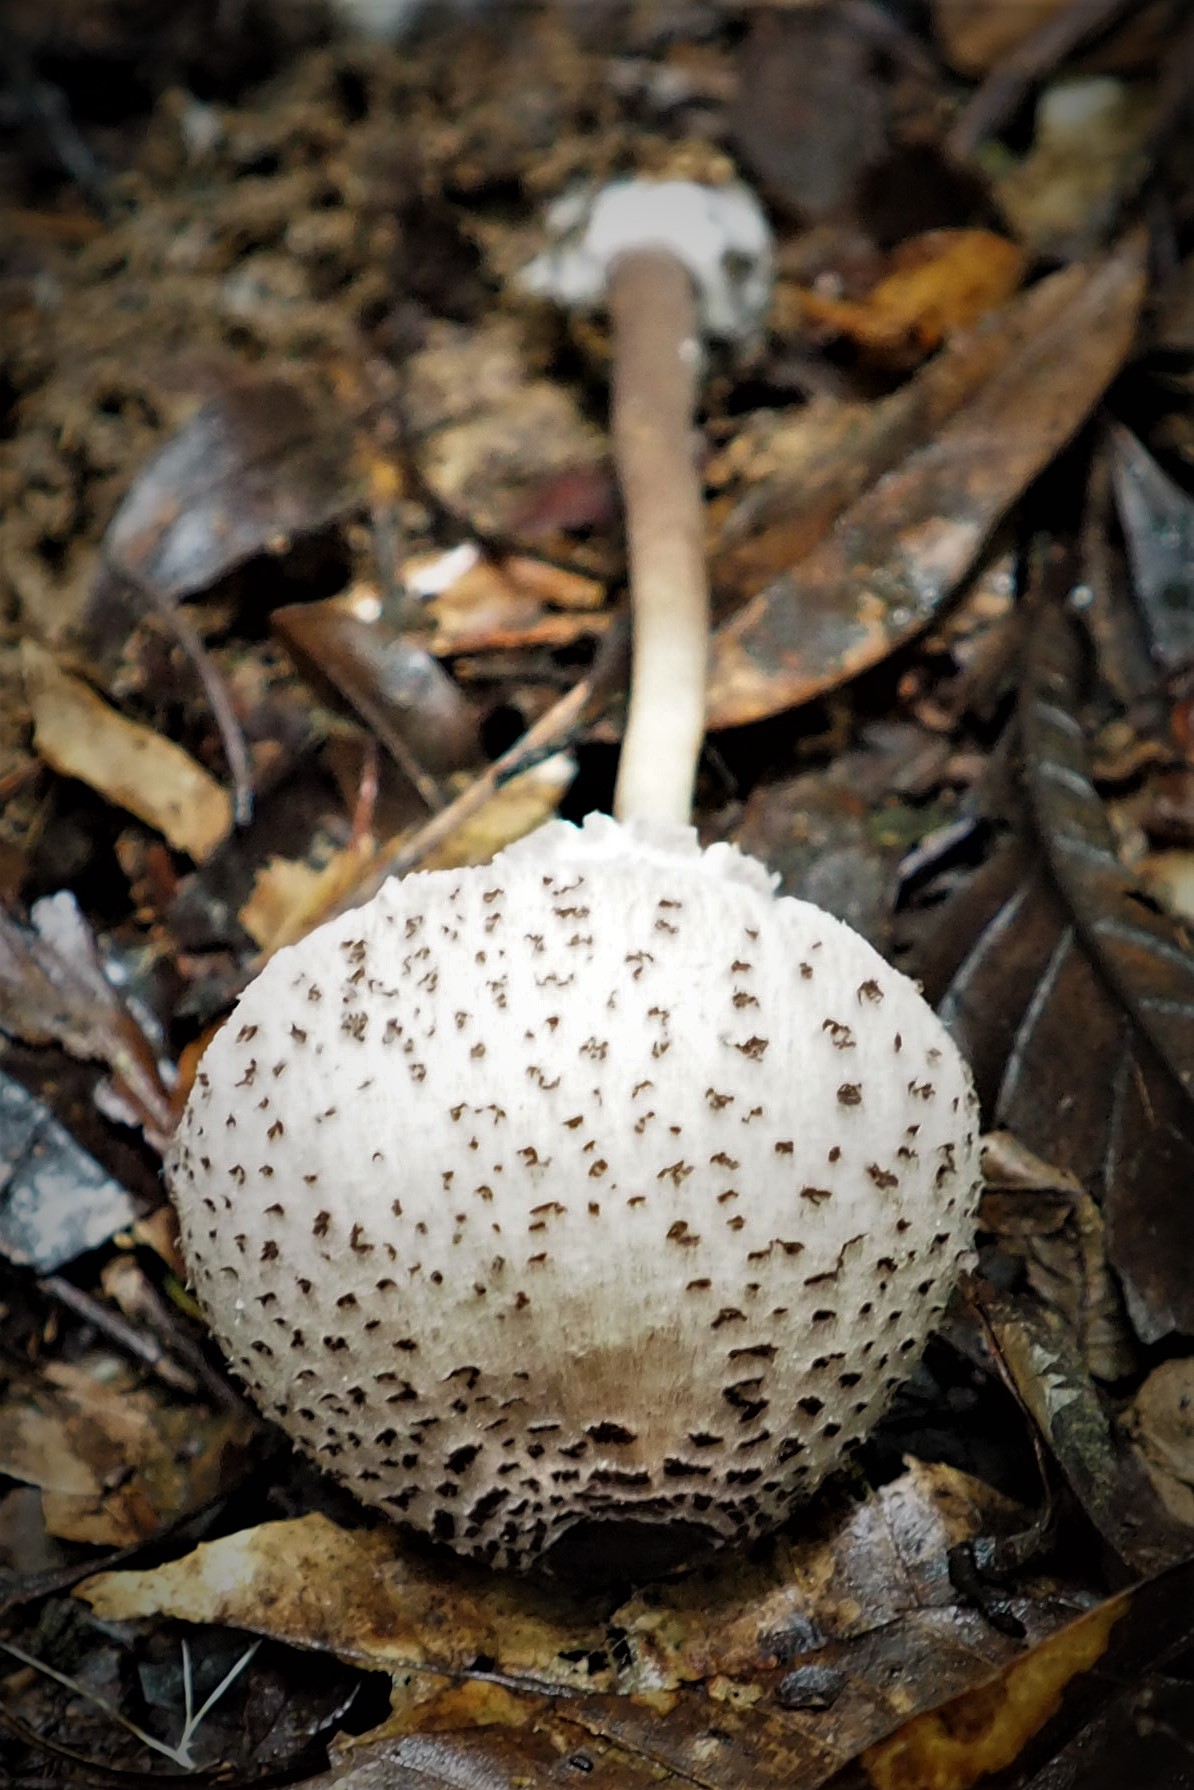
[80, 735]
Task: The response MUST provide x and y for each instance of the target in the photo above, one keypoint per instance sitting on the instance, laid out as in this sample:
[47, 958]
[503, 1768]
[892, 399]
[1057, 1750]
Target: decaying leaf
[252, 470]
[901, 549]
[1144, 958]
[799, 471]
[348, 644]
[290, 896]
[498, 604]
[1044, 1216]
[985, 1730]
[1158, 524]
[1074, 1000]
[690, 1676]
[836, 836]
[82, 736]
[1105, 1476]
[1101, 1703]
[515, 809]
[1160, 1422]
[115, 1462]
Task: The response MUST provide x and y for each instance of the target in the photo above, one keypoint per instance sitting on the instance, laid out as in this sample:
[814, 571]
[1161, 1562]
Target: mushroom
[675, 261]
[595, 1184]
[596, 1193]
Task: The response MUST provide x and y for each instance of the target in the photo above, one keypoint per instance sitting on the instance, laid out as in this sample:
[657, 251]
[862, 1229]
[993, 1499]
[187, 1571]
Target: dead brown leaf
[1042, 1361]
[1042, 1215]
[290, 896]
[115, 1461]
[246, 474]
[901, 549]
[351, 646]
[516, 601]
[80, 735]
[699, 1677]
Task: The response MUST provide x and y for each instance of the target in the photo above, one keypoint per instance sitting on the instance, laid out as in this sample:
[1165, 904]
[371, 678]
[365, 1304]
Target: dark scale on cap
[765, 1209]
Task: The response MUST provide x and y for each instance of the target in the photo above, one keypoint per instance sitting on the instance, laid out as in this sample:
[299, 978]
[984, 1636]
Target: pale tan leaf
[80, 735]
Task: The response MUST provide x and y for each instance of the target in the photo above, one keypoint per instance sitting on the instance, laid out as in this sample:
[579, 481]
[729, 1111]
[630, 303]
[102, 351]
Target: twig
[118, 1330]
[228, 726]
[179, 1754]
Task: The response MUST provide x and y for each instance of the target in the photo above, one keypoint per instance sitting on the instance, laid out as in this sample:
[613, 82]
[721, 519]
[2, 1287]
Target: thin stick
[656, 368]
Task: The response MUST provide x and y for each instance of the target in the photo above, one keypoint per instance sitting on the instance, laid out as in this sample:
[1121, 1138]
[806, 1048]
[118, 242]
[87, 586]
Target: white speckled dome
[595, 1183]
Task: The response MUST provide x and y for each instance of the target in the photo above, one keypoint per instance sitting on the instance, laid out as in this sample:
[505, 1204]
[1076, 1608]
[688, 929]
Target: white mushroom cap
[721, 234]
[593, 1184]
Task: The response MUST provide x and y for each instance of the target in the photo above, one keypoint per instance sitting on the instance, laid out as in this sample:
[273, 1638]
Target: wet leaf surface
[1046, 1718]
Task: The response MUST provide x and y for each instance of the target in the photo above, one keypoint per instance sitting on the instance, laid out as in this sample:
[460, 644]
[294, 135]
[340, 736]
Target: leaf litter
[312, 573]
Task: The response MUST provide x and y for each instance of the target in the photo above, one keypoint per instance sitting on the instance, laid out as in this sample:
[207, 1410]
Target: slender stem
[656, 370]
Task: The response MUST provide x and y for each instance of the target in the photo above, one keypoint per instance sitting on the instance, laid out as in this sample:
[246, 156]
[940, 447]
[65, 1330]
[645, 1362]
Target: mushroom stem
[657, 364]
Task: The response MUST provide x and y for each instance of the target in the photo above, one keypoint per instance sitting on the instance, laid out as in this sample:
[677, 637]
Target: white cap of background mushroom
[597, 1185]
